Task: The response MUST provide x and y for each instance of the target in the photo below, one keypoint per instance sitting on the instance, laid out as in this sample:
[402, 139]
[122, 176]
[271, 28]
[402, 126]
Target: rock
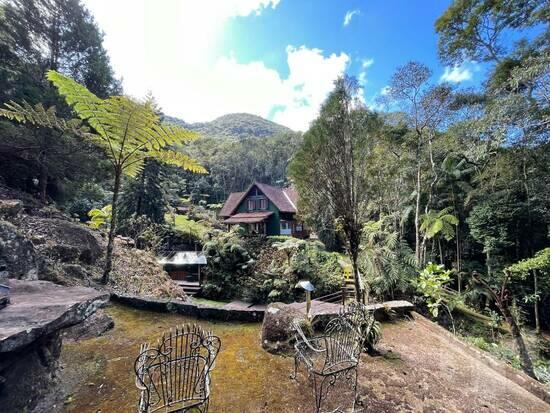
[18, 258]
[10, 207]
[63, 240]
[94, 326]
[277, 330]
[30, 341]
[40, 308]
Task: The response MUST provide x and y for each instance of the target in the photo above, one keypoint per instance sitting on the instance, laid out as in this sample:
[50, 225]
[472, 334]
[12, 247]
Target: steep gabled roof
[278, 196]
[231, 204]
[285, 199]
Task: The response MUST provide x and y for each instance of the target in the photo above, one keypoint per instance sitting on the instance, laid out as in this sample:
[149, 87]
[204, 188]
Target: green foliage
[234, 126]
[100, 218]
[540, 262]
[386, 260]
[442, 222]
[183, 224]
[279, 267]
[430, 283]
[144, 195]
[474, 29]
[228, 263]
[129, 131]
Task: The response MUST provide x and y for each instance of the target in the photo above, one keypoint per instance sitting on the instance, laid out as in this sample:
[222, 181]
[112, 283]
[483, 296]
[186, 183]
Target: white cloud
[366, 63]
[173, 51]
[349, 15]
[310, 80]
[456, 74]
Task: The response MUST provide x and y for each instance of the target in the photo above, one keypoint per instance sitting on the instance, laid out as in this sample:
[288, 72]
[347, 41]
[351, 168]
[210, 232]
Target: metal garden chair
[329, 357]
[174, 374]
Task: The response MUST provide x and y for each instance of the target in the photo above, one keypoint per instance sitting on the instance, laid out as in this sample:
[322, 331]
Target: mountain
[233, 125]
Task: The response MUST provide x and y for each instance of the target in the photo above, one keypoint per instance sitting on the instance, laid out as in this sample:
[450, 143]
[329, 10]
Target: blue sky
[274, 58]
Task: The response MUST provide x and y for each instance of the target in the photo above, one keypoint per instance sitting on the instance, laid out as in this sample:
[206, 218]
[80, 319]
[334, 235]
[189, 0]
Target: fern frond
[179, 159]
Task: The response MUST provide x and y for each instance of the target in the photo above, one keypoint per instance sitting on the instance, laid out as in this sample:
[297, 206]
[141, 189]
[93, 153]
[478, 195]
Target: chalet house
[264, 209]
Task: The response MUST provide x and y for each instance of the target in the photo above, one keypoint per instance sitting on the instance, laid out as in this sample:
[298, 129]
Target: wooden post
[308, 305]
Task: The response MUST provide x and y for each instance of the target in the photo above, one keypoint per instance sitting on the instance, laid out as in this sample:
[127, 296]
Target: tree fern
[128, 130]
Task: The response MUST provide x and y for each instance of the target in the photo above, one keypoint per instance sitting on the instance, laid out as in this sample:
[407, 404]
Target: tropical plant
[386, 260]
[431, 283]
[100, 217]
[539, 267]
[129, 131]
[497, 290]
[439, 224]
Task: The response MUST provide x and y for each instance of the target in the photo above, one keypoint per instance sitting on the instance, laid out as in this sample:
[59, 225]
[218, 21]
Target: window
[286, 228]
[263, 203]
[251, 205]
[299, 228]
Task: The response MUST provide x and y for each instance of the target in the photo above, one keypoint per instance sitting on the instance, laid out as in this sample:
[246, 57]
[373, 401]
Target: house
[264, 209]
[184, 267]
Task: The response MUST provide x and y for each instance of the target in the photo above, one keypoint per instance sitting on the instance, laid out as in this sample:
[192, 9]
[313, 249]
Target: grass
[205, 301]
[187, 226]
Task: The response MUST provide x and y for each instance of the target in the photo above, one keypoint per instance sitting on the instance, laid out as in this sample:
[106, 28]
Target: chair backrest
[175, 372]
[359, 316]
[342, 343]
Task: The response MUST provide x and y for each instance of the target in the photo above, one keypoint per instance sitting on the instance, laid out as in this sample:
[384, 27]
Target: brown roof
[248, 217]
[232, 202]
[284, 198]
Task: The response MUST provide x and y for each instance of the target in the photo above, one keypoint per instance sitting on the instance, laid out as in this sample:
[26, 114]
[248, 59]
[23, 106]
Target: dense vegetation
[443, 197]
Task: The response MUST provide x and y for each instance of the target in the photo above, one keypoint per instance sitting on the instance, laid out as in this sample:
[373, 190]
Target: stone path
[321, 308]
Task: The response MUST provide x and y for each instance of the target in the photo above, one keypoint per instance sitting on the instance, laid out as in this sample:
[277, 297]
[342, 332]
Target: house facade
[264, 209]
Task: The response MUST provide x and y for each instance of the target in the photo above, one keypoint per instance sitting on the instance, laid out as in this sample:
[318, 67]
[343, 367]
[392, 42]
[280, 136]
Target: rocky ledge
[30, 340]
[40, 308]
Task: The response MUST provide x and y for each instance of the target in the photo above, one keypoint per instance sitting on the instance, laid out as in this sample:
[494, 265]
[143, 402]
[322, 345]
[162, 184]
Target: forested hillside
[237, 149]
[233, 125]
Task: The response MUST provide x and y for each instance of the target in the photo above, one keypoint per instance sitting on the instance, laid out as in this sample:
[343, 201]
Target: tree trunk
[43, 179]
[356, 277]
[417, 217]
[536, 304]
[112, 230]
[520, 344]
[440, 251]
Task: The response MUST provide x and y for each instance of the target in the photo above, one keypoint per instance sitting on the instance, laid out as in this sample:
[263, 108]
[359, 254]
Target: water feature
[98, 373]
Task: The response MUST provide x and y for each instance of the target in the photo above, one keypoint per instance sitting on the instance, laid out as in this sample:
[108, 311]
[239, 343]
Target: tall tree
[144, 195]
[474, 29]
[426, 108]
[329, 169]
[52, 139]
[41, 35]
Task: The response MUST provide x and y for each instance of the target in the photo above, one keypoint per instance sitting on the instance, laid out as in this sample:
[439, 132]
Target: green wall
[273, 225]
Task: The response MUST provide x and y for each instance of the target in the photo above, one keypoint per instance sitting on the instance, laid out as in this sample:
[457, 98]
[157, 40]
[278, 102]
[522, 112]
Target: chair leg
[321, 389]
[295, 374]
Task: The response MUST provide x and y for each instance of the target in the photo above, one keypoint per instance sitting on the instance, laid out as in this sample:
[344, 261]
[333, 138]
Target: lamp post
[308, 288]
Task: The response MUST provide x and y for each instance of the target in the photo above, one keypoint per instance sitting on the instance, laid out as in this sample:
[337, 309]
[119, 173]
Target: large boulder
[30, 341]
[62, 240]
[277, 329]
[18, 258]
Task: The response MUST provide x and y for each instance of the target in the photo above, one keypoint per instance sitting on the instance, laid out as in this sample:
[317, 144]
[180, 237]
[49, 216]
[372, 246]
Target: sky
[274, 58]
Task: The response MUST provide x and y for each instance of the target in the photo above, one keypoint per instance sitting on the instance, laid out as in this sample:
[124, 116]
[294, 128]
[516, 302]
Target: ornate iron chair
[174, 375]
[329, 357]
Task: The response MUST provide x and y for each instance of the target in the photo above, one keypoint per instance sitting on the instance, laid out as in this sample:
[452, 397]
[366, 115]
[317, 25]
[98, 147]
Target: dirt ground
[421, 371]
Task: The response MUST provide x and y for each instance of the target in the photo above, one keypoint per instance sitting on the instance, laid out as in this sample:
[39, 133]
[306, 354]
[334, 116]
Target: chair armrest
[308, 342]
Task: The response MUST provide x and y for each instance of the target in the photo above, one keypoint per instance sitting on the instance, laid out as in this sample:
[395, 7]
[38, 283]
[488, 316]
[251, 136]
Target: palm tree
[440, 224]
[130, 132]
